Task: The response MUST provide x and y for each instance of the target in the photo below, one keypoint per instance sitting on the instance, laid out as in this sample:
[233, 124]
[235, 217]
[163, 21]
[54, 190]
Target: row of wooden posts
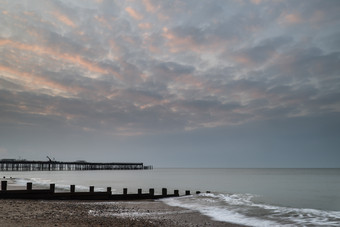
[50, 193]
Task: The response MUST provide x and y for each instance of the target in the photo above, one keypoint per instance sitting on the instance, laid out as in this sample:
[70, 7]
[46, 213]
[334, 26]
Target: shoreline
[99, 213]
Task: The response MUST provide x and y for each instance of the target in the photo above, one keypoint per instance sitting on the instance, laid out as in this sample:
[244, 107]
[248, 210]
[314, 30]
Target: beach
[97, 213]
[16, 212]
[249, 197]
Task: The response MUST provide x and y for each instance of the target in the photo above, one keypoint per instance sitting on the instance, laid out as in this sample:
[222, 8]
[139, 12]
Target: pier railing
[51, 194]
[24, 165]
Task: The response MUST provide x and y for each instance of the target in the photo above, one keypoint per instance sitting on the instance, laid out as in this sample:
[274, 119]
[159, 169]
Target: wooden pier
[24, 165]
[50, 194]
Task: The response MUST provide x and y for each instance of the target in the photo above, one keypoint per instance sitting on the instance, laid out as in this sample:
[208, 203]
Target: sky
[171, 83]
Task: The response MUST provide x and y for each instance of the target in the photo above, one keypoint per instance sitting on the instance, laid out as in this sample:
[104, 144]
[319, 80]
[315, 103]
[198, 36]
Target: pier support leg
[29, 186]
[3, 185]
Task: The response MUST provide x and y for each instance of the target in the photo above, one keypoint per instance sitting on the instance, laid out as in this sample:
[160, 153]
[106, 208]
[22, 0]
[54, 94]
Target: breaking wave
[242, 209]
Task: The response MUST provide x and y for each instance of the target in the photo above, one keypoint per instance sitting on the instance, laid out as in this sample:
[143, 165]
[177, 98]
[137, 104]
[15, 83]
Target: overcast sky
[180, 83]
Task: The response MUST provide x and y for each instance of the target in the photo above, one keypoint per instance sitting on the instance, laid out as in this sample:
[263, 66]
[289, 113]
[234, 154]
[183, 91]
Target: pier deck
[24, 165]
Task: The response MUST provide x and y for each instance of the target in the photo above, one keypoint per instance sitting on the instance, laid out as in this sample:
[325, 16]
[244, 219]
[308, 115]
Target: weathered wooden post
[164, 191]
[29, 186]
[152, 191]
[187, 192]
[3, 185]
[198, 192]
[176, 192]
[91, 189]
[139, 191]
[108, 190]
[52, 188]
[72, 188]
[125, 191]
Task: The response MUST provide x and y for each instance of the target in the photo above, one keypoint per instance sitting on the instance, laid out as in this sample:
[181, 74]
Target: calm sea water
[254, 197]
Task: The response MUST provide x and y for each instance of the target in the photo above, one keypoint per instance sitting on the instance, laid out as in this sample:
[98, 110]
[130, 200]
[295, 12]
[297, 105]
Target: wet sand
[91, 213]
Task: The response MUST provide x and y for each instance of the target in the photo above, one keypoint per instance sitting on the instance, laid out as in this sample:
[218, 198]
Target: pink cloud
[177, 43]
[133, 13]
[64, 19]
[33, 81]
[72, 58]
[290, 18]
[149, 6]
[145, 26]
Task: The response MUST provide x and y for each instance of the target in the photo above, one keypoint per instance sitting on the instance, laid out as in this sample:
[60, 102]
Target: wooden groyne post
[3, 185]
[29, 186]
[30, 193]
[52, 188]
[72, 188]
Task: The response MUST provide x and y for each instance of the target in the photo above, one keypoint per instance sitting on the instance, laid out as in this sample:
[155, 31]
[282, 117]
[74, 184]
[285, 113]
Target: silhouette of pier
[24, 165]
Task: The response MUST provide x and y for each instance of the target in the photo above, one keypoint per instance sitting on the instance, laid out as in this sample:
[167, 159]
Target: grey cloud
[175, 68]
[265, 50]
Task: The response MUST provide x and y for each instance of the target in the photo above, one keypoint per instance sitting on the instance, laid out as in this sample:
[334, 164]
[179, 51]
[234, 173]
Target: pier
[24, 165]
[51, 194]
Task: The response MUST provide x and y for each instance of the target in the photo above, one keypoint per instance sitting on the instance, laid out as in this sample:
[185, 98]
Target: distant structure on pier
[52, 165]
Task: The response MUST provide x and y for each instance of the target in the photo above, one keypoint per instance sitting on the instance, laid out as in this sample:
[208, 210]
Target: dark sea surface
[254, 197]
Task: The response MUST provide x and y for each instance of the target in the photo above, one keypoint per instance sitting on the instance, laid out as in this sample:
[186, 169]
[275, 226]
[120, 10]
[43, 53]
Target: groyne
[51, 194]
[24, 165]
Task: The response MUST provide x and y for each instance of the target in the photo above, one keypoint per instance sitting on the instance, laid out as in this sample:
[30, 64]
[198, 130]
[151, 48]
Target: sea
[251, 197]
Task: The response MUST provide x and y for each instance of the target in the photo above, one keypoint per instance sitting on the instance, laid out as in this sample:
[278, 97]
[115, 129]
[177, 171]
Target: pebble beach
[92, 213]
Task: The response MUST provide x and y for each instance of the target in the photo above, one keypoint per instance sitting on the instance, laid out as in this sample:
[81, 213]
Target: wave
[242, 209]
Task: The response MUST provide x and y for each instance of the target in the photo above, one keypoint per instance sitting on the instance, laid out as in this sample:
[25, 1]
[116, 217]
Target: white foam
[219, 214]
[240, 209]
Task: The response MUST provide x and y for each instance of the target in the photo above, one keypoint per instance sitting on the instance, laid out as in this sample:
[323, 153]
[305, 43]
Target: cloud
[291, 18]
[144, 66]
[145, 25]
[258, 55]
[133, 13]
[64, 19]
[149, 6]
